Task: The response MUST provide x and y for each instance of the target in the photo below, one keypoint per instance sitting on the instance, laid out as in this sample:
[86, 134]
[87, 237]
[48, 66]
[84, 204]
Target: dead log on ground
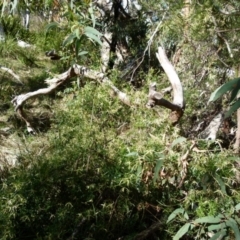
[54, 83]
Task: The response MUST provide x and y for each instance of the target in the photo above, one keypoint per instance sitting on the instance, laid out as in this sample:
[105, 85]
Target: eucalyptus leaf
[175, 213]
[216, 227]
[77, 46]
[92, 30]
[221, 183]
[229, 86]
[77, 32]
[94, 38]
[233, 224]
[82, 53]
[132, 154]
[157, 169]
[232, 109]
[69, 39]
[178, 140]
[219, 235]
[208, 219]
[139, 172]
[185, 215]
[90, 10]
[182, 231]
[237, 207]
[51, 26]
[234, 94]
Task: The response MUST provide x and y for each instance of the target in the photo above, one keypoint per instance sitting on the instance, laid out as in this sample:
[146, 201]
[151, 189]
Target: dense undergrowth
[98, 169]
[88, 177]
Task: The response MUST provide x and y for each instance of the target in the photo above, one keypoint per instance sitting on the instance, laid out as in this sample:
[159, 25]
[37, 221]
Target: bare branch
[148, 45]
[172, 76]
[86, 72]
[8, 70]
[55, 82]
[156, 98]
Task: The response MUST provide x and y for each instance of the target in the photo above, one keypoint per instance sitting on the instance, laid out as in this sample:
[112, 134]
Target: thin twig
[148, 45]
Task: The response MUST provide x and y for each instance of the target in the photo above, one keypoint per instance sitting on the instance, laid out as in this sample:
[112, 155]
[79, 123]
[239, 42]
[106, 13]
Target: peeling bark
[156, 98]
[55, 82]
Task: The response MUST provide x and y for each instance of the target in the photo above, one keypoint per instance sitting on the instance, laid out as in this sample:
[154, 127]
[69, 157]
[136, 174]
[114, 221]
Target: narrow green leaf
[174, 214]
[233, 224]
[65, 58]
[132, 154]
[51, 26]
[237, 220]
[221, 183]
[232, 109]
[208, 219]
[186, 215]
[234, 94]
[178, 140]
[82, 53]
[92, 31]
[139, 172]
[94, 37]
[77, 32]
[237, 207]
[157, 169]
[229, 86]
[77, 46]
[69, 39]
[216, 227]
[219, 235]
[183, 230]
[90, 10]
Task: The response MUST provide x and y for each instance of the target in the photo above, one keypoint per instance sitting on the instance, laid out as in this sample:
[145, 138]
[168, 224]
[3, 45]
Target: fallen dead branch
[54, 83]
[156, 98]
[10, 71]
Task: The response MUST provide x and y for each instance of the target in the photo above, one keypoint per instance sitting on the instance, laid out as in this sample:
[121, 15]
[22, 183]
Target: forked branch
[54, 83]
[156, 98]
